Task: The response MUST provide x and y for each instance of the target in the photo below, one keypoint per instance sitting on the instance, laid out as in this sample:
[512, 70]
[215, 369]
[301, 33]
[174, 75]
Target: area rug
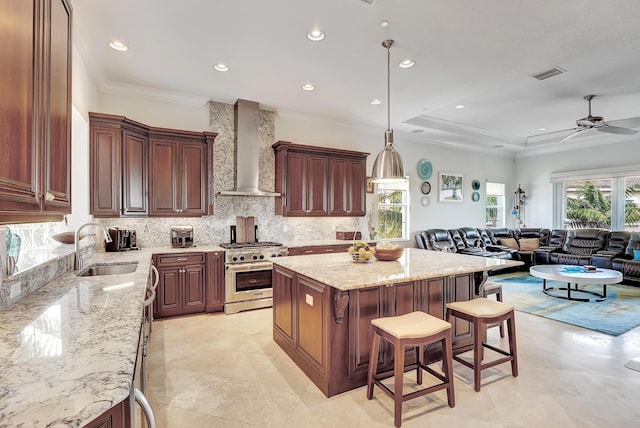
[616, 315]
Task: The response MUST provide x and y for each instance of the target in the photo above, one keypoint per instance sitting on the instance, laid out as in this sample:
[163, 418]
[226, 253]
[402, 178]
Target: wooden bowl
[66, 237]
[388, 255]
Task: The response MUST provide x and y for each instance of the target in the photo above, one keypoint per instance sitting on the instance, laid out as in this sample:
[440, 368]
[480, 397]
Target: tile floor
[225, 371]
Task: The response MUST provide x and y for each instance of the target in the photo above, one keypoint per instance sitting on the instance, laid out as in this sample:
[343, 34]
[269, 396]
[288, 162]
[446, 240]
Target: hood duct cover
[246, 154]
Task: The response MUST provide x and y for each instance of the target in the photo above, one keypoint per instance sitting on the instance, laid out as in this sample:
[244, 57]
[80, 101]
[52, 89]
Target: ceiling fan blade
[632, 122]
[616, 130]
[570, 136]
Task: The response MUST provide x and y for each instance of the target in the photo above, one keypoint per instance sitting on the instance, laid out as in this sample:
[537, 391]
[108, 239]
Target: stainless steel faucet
[76, 241]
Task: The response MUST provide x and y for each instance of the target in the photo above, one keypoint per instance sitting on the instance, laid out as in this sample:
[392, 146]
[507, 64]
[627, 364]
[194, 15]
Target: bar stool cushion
[491, 287]
[481, 307]
[412, 325]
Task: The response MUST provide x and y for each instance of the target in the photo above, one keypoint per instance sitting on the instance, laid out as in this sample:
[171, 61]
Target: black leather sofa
[598, 247]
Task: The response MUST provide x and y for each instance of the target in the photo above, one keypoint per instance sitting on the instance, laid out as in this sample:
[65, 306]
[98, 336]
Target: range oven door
[248, 286]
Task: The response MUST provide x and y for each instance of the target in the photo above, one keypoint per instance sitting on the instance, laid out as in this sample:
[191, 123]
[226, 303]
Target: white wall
[534, 172]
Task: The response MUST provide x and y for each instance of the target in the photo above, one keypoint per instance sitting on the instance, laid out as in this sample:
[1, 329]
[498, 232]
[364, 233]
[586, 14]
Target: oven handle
[248, 267]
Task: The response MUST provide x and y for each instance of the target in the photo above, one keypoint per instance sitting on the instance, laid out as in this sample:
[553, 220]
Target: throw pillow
[529, 244]
[636, 255]
[510, 242]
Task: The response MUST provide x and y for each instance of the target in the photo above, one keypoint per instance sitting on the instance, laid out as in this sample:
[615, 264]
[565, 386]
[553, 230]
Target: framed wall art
[451, 187]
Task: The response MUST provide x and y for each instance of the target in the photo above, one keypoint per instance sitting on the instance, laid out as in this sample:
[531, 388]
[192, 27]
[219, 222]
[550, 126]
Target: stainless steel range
[248, 274]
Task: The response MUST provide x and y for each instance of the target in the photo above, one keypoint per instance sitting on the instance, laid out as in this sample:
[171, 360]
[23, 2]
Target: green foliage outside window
[391, 207]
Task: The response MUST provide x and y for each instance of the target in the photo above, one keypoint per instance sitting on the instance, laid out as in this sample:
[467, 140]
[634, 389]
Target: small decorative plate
[475, 185]
[475, 196]
[425, 188]
[425, 201]
[424, 169]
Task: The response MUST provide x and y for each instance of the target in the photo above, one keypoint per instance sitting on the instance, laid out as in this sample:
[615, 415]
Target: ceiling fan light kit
[388, 166]
[596, 123]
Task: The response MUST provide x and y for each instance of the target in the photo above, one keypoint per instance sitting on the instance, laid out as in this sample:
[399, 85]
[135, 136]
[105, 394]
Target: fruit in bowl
[388, 252]
[361, 252]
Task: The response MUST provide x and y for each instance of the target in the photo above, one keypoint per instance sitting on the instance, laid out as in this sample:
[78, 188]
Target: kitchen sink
[109, 269]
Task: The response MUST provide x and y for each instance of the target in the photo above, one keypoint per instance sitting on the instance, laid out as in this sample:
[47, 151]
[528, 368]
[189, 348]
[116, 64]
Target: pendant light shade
[388, 166]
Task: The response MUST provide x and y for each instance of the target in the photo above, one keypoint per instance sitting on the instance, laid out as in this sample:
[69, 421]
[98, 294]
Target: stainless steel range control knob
[241, 258]
[234, 258]
[254, 257]
[261, 256]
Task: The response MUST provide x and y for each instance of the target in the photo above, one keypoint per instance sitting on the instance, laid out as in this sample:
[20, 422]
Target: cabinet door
[316, 183]
[295, 190]
[193, 180]
[20, 55]
[56, 159]
[193, 286]
[356, 173]
[215, 281]
[339, 187]
[105, 171]
[163, 158]
[460, 288]
[135, 151]
[169, 292]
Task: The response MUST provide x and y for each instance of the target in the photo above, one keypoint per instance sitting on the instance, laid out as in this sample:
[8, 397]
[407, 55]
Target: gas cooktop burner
[250, 244]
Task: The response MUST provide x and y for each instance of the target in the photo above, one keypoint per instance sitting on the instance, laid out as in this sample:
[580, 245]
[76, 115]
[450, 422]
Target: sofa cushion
[509, 242]
[529, 244]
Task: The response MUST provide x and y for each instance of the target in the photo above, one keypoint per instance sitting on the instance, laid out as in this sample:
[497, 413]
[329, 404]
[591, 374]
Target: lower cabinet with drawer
[181, 287]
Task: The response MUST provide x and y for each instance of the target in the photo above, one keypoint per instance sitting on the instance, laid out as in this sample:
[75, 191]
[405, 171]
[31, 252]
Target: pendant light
[388, 166]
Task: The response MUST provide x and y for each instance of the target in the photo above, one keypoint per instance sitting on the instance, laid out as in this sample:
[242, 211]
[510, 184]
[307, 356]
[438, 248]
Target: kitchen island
[323, 306]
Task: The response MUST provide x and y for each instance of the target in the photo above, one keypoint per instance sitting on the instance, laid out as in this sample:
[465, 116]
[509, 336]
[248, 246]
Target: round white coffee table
[572, 275]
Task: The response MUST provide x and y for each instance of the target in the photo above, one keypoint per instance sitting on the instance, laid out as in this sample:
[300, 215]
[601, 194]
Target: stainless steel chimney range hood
[246, 153]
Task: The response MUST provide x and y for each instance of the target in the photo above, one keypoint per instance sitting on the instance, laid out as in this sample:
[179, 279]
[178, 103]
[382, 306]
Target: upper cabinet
[35, 110]
[179, 175]
[319, 181]
[137, 170]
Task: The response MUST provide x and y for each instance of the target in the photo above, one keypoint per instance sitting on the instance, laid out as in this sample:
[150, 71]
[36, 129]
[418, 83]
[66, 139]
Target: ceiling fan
[591, 124]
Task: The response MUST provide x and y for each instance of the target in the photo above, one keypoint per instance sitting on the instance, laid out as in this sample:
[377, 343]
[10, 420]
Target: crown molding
[153, 94]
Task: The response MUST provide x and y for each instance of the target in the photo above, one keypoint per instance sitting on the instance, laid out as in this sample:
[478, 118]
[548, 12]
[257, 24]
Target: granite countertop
[68, 351]
[341, 272]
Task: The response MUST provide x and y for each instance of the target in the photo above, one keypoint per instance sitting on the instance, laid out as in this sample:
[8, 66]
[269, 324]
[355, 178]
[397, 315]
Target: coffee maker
[122, 239]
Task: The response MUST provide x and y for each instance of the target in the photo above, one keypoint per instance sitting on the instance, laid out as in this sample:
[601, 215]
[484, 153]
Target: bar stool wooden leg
[398, 374]
[511, 330]
[447, 367]
[373, 364]
[479, 332]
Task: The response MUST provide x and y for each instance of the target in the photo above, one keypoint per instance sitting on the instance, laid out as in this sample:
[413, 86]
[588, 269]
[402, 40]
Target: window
[495, 212]
[393, 209]
[588, 203]
[632, 204]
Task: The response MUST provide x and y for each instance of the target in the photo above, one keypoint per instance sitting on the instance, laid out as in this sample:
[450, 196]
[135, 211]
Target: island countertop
[341, 272]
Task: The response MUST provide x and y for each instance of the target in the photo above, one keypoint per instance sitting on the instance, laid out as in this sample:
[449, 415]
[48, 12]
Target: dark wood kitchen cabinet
[319, 181]
[35, 110]
[119, 151]
[179, 178]
[181, 285]
[347, 179]
[137, 170]
[215, 281]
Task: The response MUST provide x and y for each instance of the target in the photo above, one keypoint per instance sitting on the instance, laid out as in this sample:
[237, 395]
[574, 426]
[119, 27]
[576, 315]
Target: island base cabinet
[327, 332]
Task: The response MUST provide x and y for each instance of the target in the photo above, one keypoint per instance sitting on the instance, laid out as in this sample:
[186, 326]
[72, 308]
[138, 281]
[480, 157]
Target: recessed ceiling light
[375, 102]
[315, 35]
[221, 67]
[459, 106]
[117, 45]
[542, 129]
[406, 63]
[417, 131]
[308, 87]
[498, 146]
[384, 23]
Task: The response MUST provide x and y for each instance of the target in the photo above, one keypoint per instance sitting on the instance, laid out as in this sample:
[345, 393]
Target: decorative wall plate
[425, 188]
[475, 185]
[425, 201]
[424, 169]
[475, 196]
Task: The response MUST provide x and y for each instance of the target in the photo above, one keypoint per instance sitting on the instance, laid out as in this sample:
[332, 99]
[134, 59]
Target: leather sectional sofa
[598, 247]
